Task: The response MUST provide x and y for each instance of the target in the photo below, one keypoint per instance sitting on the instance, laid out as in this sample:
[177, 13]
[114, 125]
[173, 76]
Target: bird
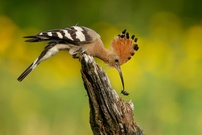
[79, 39]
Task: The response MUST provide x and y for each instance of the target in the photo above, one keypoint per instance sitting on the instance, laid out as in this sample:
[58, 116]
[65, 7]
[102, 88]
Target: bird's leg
[75, 56]
[77, 53]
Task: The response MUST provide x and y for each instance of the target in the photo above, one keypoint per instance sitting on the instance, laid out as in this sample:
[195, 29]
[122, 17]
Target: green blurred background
[164, 78]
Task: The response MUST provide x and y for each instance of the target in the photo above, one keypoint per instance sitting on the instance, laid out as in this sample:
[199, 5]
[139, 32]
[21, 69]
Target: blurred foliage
[164, 78]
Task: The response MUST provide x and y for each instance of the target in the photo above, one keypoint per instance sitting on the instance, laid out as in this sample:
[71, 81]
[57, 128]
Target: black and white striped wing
[60, 39]
[76, 35]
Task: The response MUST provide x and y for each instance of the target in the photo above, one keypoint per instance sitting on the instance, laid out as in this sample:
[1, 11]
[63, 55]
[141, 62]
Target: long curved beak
[122, 80]
[121, 75]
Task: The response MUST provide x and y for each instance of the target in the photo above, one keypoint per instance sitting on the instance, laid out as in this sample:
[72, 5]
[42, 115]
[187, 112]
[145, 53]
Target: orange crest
[124, 46]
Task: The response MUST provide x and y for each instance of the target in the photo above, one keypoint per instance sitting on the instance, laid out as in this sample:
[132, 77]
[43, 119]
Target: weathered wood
[109, 114]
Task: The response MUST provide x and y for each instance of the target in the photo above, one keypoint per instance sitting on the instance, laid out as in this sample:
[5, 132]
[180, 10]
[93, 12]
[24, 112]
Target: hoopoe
[79, 39]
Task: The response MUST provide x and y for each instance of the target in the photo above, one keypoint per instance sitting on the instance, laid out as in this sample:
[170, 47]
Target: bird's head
[123, 47]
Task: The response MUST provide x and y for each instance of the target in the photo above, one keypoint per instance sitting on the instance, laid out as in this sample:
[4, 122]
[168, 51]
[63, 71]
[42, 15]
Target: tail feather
[50, 50]
[36, 38]
[28, 70]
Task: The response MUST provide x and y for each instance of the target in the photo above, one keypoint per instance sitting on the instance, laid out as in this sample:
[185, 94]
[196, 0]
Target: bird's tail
[36, 38]
[28, 70]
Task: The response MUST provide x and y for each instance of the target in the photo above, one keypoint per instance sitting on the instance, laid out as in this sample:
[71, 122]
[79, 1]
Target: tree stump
[109, 114]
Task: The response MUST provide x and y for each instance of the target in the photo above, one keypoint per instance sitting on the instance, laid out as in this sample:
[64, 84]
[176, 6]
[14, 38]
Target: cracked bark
[109, 114]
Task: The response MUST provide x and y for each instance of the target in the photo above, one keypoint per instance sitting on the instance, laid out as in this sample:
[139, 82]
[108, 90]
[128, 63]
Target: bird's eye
[116, 60]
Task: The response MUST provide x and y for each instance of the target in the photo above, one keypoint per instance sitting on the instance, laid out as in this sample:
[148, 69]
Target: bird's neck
[104, 54]
[97, 50]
